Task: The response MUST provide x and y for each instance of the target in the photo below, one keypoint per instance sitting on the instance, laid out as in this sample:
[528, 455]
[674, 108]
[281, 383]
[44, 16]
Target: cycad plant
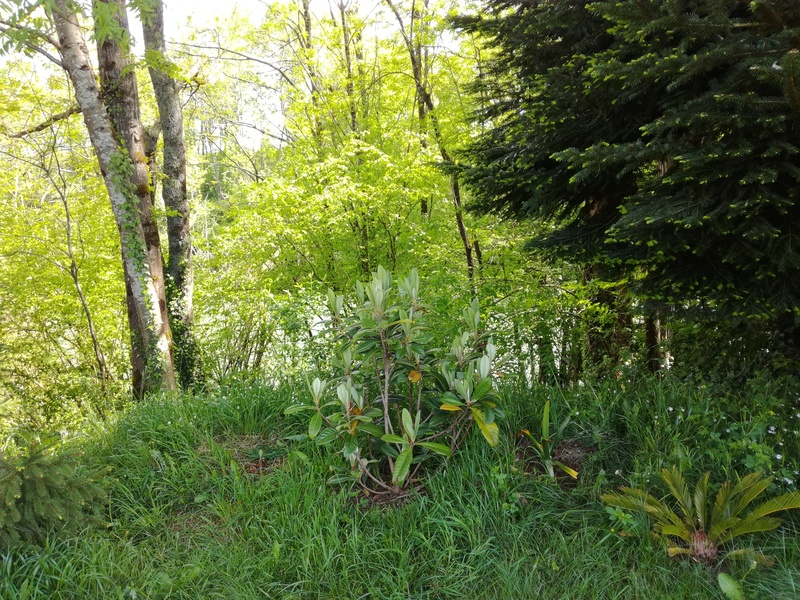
[699, 529]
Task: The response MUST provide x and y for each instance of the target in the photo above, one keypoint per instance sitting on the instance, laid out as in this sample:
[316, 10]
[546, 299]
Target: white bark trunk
[114, 162]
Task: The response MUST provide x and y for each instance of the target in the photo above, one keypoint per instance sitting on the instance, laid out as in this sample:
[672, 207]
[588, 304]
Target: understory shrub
[399, 401]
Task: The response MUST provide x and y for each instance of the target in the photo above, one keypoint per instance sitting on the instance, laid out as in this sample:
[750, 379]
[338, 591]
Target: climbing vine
[121, 175]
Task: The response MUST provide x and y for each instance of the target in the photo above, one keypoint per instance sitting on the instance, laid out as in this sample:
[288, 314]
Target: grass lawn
[209, 500]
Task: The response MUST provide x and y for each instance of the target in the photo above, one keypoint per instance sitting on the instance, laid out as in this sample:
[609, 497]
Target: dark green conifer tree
[681, 118]
[543, 100]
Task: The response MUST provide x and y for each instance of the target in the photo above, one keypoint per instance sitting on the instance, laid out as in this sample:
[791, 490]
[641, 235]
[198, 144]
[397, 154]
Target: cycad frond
[632, 499]
[713, 526]
[679, 531]
[749, 494]
[720, 528]
[750, 555]
[676, 550]
[752, 526]
[784, 502]
[721, 503]
[678, 488]
[700, 504]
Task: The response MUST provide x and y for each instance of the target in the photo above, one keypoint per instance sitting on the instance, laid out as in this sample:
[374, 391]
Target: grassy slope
[187, 522]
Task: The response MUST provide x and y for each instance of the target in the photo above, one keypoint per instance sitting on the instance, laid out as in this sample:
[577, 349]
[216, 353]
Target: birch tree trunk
[180, 272]
[120, 177]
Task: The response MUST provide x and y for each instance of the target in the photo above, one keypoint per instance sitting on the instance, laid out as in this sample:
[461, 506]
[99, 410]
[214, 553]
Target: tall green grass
[186, 521]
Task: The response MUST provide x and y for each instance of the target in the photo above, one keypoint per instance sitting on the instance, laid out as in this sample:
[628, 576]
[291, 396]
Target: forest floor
[210, 500]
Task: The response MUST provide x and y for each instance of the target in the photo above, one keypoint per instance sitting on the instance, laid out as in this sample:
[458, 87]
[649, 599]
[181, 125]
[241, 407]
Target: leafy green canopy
[660, 136]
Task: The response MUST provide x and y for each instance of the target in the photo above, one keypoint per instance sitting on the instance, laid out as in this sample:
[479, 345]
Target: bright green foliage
[549, 440]
[399, 402]
[44, 488]
[58, 242]
[701, 527]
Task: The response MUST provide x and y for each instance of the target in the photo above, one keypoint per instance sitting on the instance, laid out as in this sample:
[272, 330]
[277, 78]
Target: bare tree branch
[242, 57]
[72, 110]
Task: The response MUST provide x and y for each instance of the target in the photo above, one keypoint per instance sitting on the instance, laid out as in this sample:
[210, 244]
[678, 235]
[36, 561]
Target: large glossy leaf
[408, 425]
[482, 389]
[393, 439]
[326, 437]
[350, 446]
[296, 408]
[402, 465]
[490, 431]
[314, 425]
[436, 447]
[371, 429]
[451, 399]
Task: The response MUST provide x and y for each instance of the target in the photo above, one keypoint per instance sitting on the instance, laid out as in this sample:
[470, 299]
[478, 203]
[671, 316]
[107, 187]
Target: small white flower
[618, 472]
[779, 456]
[670, 409]
[772, 430]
